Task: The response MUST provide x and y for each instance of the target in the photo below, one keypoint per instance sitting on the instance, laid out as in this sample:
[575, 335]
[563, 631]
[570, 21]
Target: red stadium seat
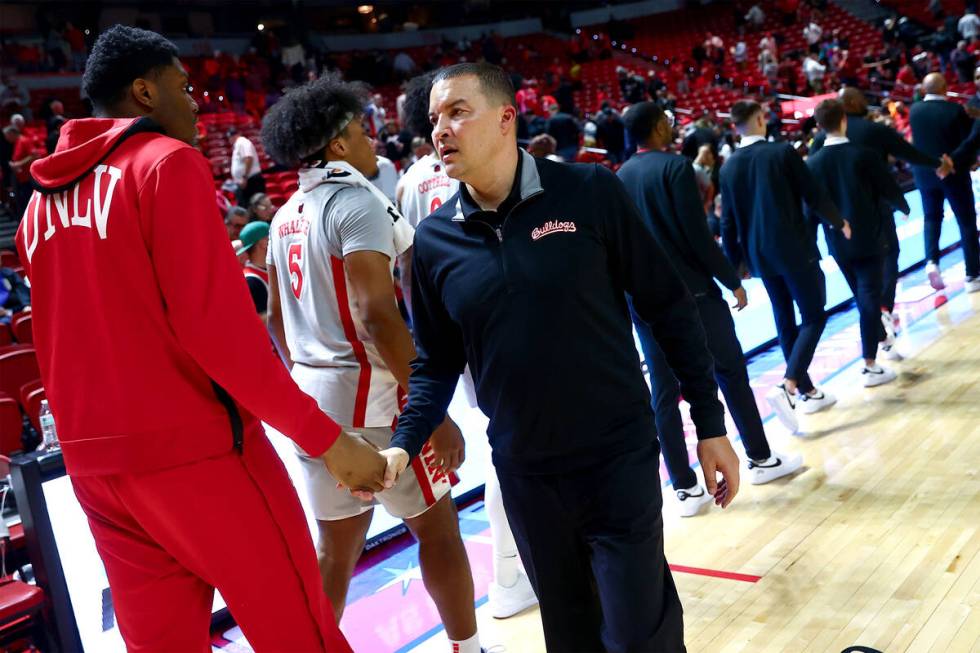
[11, 425]
[18, 366]
[31, 396]
[9, 259]
[21, 326]
[6, 337]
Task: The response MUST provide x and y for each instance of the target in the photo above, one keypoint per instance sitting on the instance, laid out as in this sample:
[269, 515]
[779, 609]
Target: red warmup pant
[234, 523]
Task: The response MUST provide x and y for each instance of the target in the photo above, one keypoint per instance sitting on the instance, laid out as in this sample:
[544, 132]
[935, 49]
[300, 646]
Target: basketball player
[332, 251]
[425, 187]
[140, 321]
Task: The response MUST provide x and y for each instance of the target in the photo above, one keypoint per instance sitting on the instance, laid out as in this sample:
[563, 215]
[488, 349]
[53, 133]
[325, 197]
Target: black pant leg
[731, 373]
[808, 287]
[932, 212]
[864, 278]
[665, 392]
[959, 192]
[889, 281]
[786, 330]
[546, 527]
[624, 529]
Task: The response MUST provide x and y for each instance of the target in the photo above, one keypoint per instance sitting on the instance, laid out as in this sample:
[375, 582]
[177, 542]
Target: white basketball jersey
[337, 363]
[423, 188]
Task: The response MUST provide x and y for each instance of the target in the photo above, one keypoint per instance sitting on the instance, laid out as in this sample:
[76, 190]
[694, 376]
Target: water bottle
[50, 435]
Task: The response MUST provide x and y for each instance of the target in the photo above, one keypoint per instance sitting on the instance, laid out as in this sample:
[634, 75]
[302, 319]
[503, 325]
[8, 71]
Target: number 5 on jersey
[295, 269]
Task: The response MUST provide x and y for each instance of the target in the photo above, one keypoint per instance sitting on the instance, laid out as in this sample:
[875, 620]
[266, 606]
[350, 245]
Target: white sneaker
[816, 402]
[776, 466]
[888, 322]
[784, 407]
[691, 500]
[935, 276]
[972, 284]
[890, 353]
[508, 601]
[877, 375]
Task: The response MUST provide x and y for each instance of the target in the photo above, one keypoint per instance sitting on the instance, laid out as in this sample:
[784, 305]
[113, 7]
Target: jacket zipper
[499, 233]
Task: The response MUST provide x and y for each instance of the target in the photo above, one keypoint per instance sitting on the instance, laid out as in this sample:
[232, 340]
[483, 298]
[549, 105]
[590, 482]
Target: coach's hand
[741, 298]
[448, 446]
[397, 461]
[717, 455]
[355, 464]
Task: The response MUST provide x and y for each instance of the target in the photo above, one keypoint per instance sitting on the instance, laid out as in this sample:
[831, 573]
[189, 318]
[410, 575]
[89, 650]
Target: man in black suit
[566, 132]
[762, 187]
[939, 126]
[858, 182]
[885, 142]
[663, 187]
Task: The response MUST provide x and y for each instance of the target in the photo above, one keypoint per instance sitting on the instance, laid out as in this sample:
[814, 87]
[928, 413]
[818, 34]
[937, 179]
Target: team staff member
[423, 188]
[763, 186]
[140, 321]
[664, 188]
[885, 142]
[939, 126]
[858, 182]
[523, 274]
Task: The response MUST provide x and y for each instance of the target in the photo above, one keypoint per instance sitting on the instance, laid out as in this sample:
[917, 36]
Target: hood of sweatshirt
[82, 145]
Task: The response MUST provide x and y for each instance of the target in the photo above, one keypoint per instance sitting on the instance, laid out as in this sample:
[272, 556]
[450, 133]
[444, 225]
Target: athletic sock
[471, 645]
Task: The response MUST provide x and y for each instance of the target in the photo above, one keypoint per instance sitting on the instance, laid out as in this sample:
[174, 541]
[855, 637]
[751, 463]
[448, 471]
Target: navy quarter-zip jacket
[535, 301]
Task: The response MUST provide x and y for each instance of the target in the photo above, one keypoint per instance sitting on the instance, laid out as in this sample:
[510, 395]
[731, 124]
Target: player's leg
[159, 604]
[247, 536]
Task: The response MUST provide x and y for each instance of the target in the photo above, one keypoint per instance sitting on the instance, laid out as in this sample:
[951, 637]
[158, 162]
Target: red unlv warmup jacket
[149, 346]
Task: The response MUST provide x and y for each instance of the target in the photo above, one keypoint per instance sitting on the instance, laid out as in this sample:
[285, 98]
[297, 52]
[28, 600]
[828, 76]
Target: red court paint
[729, 575]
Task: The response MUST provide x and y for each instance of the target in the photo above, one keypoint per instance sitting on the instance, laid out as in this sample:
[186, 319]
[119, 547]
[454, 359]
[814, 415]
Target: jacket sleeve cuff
[712, 426]
[316, 433]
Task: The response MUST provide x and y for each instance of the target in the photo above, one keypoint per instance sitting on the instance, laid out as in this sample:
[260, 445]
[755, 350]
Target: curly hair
[417, 105]
[298, 126]
[120, 55]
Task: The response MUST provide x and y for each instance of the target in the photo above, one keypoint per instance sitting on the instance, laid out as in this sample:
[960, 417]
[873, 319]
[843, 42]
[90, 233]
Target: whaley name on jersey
[93, 192]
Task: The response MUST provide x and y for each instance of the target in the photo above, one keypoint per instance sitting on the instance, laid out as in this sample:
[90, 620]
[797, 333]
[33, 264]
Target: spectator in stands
[260, 208]
[24, 154]
[755, 17]
[54, 132]
[404, 66]
[969, 26]
[544, 146]
[812, 34]
[963, 62]
[7, 143]
[768, 42]
[611, 132]
[246, 171]
[566, 132]
[255, 246]
[814, 72]
[942, 43]
[740, 53]
[236, 220]
[76, 45]
[973, 104]
[704, 166]
[15, 99]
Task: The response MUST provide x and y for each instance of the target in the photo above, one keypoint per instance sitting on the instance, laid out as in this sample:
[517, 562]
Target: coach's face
[469, 128]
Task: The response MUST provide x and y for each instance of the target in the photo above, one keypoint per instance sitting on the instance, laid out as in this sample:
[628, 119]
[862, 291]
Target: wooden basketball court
[875, 543]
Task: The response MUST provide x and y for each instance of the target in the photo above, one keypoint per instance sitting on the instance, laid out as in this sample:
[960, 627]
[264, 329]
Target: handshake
[365, 471]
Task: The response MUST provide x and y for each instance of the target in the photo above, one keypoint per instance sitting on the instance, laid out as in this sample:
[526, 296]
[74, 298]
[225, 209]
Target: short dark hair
[120, 55]
[417, 105]
[233, 211]
[641, 119]
[829, 114]
[494, 82]
[743, 111]
[297, 127]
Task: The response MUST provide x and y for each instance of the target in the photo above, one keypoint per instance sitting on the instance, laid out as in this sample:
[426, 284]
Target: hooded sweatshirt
[149, 347]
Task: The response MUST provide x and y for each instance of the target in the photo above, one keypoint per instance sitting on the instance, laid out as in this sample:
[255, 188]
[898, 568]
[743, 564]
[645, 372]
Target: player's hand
[355, 464]
[448, 446]
[741, 298]
[717, 456]
[846, 229]
[946, 167]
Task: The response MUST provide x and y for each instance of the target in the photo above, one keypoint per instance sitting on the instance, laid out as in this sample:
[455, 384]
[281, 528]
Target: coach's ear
[508, 118]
